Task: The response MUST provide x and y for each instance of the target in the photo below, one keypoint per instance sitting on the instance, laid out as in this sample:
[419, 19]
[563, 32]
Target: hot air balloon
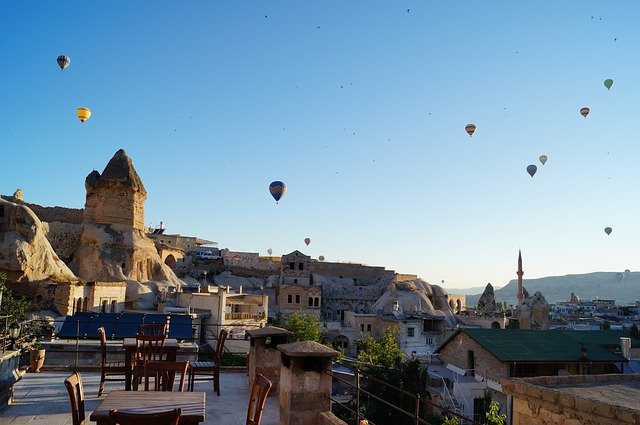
[307, 241]
[608, 230]
[269, 251]
[277, 190]
[608, 83]
[63, 61]
[627, 272]
[543, 159]
[619, 276]
[470, 129]
[585, 111]
[531, 169]
[83, 113]
[321, 258]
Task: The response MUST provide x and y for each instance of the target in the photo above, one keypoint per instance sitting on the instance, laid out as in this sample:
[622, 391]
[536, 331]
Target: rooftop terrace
[41, 398]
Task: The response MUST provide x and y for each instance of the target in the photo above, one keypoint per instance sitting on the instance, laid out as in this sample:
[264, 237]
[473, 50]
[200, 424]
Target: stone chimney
[305, 382]
[264, 357]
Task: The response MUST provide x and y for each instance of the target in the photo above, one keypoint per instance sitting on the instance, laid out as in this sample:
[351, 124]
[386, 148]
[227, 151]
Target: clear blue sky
[360, 108]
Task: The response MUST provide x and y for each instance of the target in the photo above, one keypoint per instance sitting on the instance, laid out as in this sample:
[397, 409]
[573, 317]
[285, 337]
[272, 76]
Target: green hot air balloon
[608, 83]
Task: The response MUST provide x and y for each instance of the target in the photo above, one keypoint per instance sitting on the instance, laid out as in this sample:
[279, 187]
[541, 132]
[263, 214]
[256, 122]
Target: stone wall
[328, 418]
[358, 271]
[536, 404]
[457, 350]
[64, 238]
[304, 292]
[115, 205]
[59, 214]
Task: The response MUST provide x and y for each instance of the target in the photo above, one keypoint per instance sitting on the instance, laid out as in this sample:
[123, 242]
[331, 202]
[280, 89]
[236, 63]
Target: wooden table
[191, 403]
[129, 344]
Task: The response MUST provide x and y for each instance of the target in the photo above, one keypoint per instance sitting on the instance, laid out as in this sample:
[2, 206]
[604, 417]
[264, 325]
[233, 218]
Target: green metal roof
[517, 345]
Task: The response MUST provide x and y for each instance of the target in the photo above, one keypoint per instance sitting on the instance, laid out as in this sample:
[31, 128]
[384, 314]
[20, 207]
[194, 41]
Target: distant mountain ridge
[589, 286]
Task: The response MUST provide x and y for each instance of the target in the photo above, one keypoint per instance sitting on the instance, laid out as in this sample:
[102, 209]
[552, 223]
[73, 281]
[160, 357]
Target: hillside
[587, 286]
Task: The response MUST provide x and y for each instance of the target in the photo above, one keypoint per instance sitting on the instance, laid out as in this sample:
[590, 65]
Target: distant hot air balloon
[627, 272]
[531, 169]
[321, 258]
[63, 61]
[83, 113]
[307, 241]
[608, 230]
[608, 83]
[543, 159]
[585, 111]
[619, 276]
[470, 129]
[277, 190]
[269, 251]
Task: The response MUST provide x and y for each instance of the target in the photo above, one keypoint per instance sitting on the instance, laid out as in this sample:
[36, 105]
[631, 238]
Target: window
[316, 302]
[362, 327]
[297, 298]
[411, 332]
[103, 309]
[300, 266]
[310, 301]
[289, 298]
[292, 266]
[295, 281]
[369, 327]
[429, 340]
[113, 306]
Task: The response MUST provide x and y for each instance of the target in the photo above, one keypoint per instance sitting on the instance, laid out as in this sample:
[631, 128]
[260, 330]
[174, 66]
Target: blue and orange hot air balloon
[277, 190]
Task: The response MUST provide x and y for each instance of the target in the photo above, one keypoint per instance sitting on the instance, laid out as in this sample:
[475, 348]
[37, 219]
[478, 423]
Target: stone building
[491, 355]
[99, 297]
[295, 269]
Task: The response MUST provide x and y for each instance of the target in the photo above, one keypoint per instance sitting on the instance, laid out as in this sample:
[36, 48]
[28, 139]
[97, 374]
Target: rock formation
[487, 302]
[574, 298]
[533, 312]
[25, 252]
[113, 244]
[415, 297]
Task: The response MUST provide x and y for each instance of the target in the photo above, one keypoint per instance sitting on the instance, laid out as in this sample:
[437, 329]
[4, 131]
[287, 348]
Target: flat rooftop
[41, 398]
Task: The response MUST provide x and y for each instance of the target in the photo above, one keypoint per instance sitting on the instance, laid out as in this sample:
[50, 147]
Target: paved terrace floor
[41, 398]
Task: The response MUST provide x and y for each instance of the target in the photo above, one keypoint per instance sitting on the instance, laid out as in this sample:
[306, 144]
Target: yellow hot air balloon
[83, 113]
[470, 129]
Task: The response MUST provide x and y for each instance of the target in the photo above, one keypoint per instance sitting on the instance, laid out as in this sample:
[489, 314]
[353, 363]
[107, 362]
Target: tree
[605, 326]
[10, 304]
[633, 331]
[493, 416]
[305, 327]
[384, 361]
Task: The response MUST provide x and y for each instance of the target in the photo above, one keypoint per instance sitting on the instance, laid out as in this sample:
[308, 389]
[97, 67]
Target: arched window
[103, 308]
[310, 301]
[85, 304]
[113, 306]
[316, 302]
[79, 304]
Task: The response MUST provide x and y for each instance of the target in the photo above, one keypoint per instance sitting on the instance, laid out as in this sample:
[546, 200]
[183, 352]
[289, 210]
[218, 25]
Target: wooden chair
[209, 368]
[153, 329]
[259, 391]
[149, 348]
[170, 417]
[164, 374]
[108, 368]
[76, 397]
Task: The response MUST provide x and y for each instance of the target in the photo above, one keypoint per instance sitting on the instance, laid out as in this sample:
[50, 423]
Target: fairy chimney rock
[487, 302]
[117, 195]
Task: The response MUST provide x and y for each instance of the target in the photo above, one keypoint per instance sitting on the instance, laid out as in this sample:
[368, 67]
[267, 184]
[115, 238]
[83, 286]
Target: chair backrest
[165, 374]
[103, 344]
[149, 347]
[222, 337]
[76, 397]
[153, 329]
[170, 417]
[259, 391]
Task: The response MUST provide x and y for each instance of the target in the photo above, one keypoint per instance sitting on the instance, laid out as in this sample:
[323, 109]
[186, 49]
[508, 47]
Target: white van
[205, 255]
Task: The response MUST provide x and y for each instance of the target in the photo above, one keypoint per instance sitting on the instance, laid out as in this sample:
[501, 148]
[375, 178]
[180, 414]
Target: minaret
[520, 273]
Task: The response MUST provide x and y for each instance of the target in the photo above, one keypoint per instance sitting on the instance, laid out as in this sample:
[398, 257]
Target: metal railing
[359, 397]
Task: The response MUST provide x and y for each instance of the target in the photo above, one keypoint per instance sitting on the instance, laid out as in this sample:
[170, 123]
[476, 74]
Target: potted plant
[36, 357]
